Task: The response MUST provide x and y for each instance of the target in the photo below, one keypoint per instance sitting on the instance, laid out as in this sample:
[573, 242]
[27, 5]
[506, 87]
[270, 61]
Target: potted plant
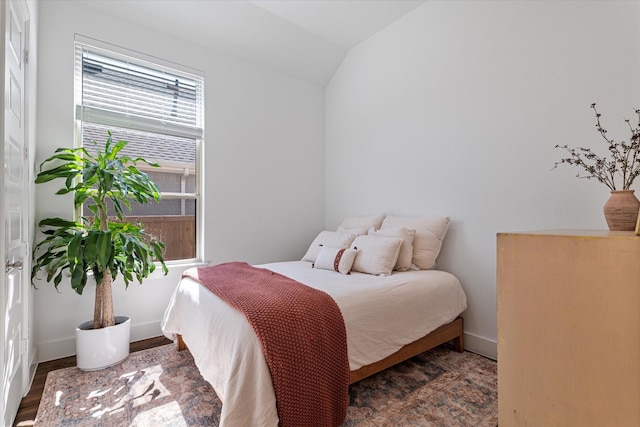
[622, 166]
[99, 245]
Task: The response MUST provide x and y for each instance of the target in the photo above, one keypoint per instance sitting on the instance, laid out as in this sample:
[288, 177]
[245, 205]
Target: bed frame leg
[458, 342]
[181, 344]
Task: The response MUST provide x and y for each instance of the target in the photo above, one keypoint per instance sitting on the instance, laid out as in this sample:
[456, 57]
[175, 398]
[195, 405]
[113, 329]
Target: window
[158, 109]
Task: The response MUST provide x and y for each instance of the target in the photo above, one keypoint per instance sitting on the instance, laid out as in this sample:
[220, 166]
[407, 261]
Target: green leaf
[73, 250]
[57, 222]
[65, 155]
[117, 206]
[91, 247]
[57, 280]
[62, 171]
[78, 279]
[117, 148]
[103, 244]
[106, 179]
[89, 172]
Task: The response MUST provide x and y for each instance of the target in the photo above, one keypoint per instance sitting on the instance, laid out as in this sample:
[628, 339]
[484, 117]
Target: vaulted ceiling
[307, 39]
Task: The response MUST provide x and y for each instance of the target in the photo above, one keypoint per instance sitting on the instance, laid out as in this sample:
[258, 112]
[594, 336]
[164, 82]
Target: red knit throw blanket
[303, 339]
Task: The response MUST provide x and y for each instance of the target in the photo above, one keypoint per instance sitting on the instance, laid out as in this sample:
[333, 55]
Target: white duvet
[381, 315]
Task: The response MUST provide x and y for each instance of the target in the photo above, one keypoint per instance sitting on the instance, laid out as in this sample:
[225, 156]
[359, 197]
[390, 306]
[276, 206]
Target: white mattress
[381, 315]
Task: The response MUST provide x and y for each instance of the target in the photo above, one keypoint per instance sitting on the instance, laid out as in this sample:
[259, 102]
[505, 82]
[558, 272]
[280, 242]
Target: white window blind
[118, 90]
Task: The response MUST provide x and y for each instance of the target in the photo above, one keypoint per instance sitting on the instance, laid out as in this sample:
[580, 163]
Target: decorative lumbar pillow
[331, 239]
[362, 222]
[376, 254]
[338, 259]
[406, 249]
[427, 242]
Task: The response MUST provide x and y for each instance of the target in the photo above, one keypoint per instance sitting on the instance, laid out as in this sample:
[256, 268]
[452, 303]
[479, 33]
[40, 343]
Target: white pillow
[427, 242]
[356, 231]
[336, 259]
[376, 254]
[331, 239]
[406, 249]
[362, 222]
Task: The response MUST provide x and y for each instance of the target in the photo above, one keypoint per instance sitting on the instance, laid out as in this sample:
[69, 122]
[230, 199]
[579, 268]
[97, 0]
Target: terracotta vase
[621, 210]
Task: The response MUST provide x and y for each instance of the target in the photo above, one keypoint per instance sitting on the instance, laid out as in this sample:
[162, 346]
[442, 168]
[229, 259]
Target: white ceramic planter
[101, 348]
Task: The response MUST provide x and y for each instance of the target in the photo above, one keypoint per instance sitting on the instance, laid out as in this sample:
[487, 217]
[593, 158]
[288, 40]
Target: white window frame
[112, 118]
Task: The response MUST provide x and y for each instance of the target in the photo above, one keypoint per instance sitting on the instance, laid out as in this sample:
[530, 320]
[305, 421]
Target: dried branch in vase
[622, 163]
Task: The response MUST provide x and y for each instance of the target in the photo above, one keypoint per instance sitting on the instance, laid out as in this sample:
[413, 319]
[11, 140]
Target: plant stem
[97, 307]
[108, 317]
[106, 300]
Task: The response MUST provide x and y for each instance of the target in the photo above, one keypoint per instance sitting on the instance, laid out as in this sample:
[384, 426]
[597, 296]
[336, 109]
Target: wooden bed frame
[450, 331]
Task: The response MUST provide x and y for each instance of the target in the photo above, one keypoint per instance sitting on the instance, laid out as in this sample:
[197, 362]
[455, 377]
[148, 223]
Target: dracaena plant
[98, 245]
[622, 164]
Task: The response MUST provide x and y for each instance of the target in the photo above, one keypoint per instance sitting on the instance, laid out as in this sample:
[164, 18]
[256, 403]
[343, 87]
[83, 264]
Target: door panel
[14, 192]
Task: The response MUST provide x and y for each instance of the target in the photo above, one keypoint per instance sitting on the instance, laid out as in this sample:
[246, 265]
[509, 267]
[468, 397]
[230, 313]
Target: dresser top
[576, 233]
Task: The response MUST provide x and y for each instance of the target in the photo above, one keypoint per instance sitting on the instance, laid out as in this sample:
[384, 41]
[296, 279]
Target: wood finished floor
[29, 404]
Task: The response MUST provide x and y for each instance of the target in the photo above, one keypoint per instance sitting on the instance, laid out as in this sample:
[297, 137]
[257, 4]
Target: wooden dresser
[568, 328]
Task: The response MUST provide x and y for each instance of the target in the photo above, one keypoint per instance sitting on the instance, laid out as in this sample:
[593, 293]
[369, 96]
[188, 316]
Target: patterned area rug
[162, 387]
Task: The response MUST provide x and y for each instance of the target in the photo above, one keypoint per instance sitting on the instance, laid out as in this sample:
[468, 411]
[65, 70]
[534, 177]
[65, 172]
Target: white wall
[455, 109]
[264, 163]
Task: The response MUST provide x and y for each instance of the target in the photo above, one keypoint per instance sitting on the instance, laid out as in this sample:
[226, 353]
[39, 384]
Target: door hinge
[24, 346]
[26, 56]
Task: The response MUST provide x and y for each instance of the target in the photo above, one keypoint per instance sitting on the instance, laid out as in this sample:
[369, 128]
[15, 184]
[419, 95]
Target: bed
[388, 318]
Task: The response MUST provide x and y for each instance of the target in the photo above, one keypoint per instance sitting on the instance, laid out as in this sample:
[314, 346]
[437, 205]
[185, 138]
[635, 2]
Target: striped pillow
[338, 259]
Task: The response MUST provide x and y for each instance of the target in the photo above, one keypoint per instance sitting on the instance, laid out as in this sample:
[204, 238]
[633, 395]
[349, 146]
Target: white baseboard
[33, 366]
[57, 349]
[65, 347]
[145, 330]
[481, 345]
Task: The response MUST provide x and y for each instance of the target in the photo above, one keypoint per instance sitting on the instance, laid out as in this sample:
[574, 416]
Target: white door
[14, 193]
